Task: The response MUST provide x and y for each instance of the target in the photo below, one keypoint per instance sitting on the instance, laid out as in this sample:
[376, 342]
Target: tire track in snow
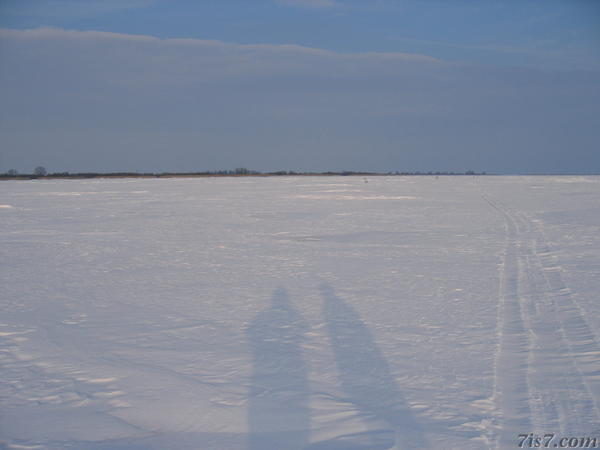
[562, 362]
[565, 351]
[578, 348]
[536, 311]
[511, 371]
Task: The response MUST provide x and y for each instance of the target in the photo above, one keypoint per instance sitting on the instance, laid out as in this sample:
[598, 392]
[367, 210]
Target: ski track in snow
[546, 367]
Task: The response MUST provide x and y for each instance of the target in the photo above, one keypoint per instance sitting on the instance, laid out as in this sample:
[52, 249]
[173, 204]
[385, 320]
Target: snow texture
[322, 313]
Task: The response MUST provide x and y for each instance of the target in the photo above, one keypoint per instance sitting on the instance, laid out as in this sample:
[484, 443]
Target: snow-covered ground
[313, 313]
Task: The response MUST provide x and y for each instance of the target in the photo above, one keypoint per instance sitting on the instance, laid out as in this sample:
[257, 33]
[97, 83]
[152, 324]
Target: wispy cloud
[68, 37]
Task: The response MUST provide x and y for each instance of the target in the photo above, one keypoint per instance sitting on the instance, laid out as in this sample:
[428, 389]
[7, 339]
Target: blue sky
[500, 86]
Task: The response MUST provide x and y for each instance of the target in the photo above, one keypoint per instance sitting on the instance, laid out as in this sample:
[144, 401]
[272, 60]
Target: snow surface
[324, 313]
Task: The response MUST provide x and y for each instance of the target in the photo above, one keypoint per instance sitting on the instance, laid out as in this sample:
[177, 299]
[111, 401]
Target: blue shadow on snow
[367, 382]
[278, 410]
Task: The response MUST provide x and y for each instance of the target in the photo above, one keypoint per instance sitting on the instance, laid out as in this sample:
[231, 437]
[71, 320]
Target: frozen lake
[322, 313]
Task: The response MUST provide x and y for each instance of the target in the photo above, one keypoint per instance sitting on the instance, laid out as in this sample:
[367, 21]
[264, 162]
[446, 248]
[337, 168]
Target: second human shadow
[367, 382]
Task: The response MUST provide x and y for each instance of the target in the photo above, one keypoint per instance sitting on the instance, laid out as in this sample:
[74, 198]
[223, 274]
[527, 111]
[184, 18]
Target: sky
[306, 85]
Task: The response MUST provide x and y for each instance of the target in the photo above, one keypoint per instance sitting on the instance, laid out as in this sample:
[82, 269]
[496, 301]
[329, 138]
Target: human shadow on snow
[278, 410]
[367, 382]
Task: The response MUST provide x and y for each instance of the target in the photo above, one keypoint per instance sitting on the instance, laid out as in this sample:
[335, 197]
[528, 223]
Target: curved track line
[561, 369]
[511, 371]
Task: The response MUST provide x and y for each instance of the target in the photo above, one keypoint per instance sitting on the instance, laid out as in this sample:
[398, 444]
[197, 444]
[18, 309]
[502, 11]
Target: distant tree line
[41, 172]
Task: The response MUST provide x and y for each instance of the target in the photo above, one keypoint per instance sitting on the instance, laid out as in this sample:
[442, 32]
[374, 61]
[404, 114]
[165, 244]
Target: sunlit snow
[322, 313]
